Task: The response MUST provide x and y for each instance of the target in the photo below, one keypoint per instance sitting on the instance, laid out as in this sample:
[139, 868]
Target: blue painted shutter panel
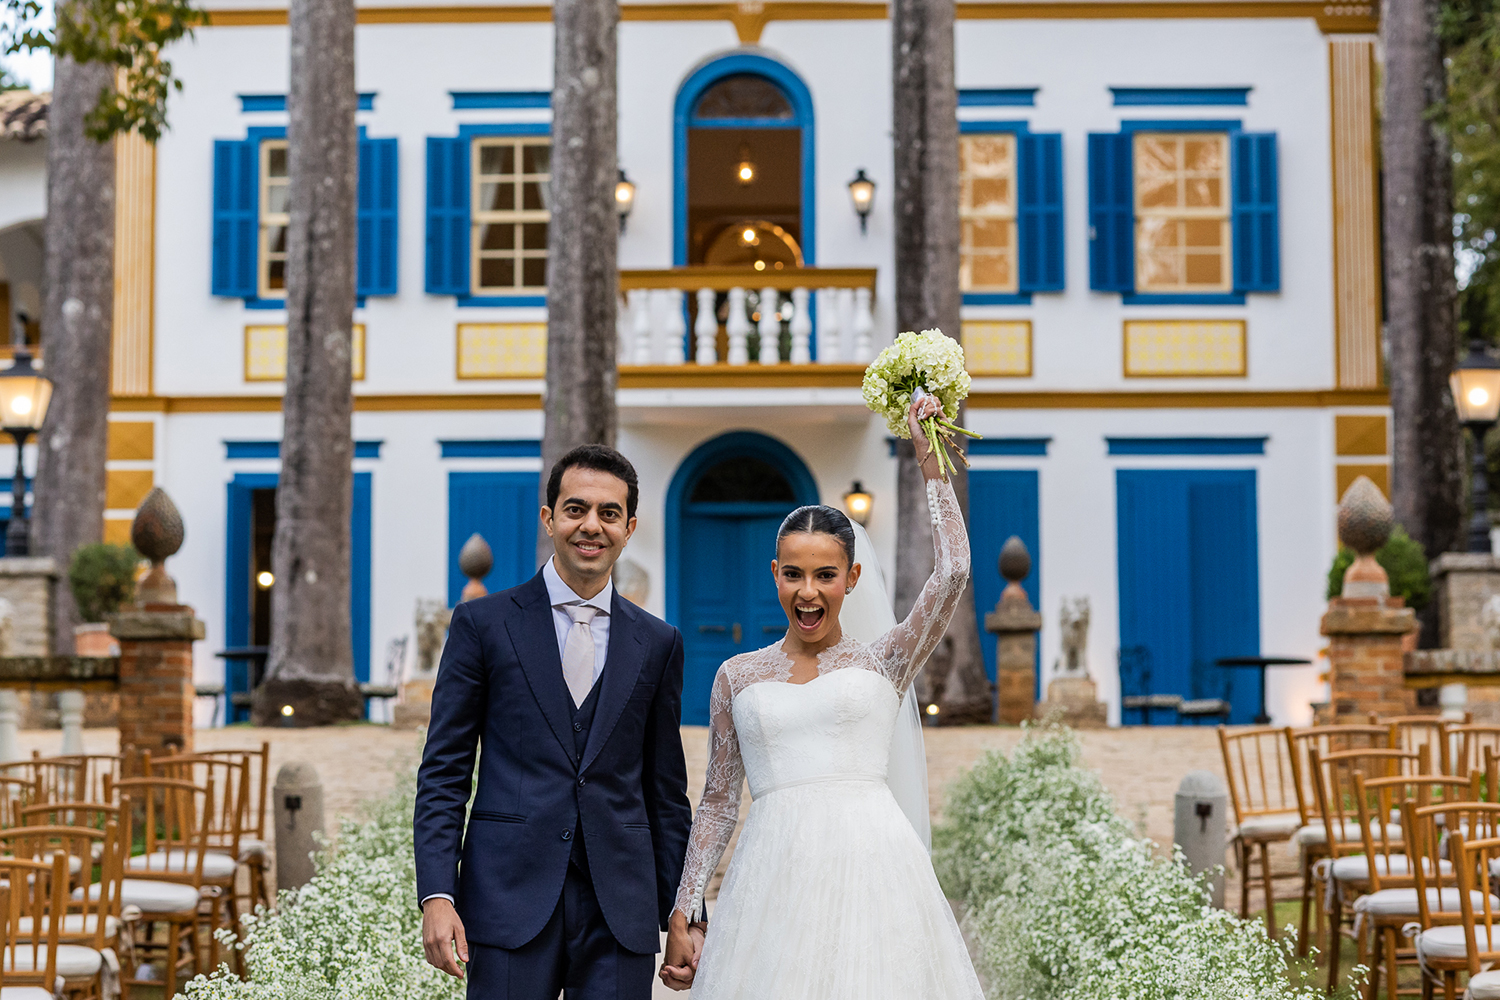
[447, 216]
[235, 218]
[1111, 212]
[1256, 226]
[1039, 214]
[376, 250]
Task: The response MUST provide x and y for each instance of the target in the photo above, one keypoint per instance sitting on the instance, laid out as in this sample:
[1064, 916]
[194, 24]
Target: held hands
[443, 937]
[684, 949]
[922, 407]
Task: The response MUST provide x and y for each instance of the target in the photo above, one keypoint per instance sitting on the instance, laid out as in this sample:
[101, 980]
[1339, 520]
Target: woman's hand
[684, 948]
[922, 408]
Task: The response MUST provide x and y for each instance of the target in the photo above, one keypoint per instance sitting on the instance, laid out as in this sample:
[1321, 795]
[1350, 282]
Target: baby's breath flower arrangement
[933, 363]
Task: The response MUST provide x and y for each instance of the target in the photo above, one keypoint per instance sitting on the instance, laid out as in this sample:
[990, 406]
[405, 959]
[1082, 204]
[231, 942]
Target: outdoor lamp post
[858, 503]
[1476, 395]
[624, 197]
[862, 193]
[24, 395]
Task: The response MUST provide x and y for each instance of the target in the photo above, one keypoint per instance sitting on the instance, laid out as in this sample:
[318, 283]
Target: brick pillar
[1365, 657]
[156, 679]
[1015, 624]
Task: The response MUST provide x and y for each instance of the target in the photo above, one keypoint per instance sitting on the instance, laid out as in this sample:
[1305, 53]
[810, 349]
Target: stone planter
[93, 639]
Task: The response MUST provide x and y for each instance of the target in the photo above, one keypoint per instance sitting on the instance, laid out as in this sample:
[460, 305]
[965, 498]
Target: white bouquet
[916, 364]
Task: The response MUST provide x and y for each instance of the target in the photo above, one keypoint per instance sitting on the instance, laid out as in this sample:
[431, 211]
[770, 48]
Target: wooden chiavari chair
[1412, 732]
[51, 779]
[1385, 876]
[36, 891]
[1263, 792]
[1440, 886]
[1469, 742]
[15, 794]
[91, 774]
[254, 848]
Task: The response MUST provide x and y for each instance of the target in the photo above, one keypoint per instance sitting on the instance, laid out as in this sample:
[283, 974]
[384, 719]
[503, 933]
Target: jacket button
[577, 727]
[580, 779]
[567, 835]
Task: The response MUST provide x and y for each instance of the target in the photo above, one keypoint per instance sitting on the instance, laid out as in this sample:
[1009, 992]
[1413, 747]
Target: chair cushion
[73, 923]
[151, 896]
[1447, 941]
[1403, 902]
[1313, 833]
[1275, 826]
[215, 866]
[251, 849]
[25, 993]
[1485, 986]
[1356, 867]
[74, 961]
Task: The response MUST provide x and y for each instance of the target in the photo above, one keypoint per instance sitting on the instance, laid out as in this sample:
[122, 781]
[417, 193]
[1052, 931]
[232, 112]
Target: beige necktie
[578, 651]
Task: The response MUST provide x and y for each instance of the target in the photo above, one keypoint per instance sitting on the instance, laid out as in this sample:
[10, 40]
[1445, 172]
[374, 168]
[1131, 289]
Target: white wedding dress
[830, 894]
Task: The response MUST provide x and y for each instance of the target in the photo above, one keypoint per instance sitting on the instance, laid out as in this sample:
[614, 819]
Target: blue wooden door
[1190, 583]
[502, 507]
[1002, 502]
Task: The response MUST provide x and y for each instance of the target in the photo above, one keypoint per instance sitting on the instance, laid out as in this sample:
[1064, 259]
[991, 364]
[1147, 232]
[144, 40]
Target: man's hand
[443, 937]
[684, 949]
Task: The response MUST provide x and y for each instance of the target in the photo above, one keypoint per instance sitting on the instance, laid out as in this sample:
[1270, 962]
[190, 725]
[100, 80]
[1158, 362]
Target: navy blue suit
[580, 820]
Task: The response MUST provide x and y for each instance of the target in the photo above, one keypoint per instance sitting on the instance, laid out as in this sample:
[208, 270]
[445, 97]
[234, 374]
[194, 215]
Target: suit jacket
[500, 686]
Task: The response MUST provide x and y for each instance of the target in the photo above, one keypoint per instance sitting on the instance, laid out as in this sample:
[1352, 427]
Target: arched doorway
[723, 508]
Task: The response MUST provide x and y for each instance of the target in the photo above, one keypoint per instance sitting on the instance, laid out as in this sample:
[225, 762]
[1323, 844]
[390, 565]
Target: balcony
[797, 327]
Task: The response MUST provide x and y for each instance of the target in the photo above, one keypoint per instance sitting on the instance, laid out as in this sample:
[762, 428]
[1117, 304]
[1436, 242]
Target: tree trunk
[311, 665]
[583, 277]
[1420, 292]
[77, 316]
[927, 295]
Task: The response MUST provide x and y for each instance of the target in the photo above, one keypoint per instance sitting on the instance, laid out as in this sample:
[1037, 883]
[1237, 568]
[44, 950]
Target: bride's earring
[848, 590]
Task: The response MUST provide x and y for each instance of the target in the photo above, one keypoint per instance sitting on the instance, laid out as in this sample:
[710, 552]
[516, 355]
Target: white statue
[432, 632]
[1073, 626]
[1489, 620]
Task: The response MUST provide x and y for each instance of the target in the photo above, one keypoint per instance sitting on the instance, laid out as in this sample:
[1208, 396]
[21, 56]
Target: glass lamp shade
[624, 195]
[1476, 387]
[24, 395]
[744, 170]
[862, 193]
[859, 503]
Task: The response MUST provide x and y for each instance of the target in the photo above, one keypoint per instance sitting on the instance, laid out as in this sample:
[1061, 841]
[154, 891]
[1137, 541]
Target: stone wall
[1462, 582]
[29, 584]
[1366, 672]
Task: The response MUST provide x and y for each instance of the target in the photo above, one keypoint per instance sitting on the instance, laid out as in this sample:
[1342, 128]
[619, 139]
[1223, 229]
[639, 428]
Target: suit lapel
[622, 665]
[535, 639]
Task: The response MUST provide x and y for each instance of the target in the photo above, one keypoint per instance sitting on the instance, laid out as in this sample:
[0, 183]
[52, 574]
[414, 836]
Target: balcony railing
[737, 315]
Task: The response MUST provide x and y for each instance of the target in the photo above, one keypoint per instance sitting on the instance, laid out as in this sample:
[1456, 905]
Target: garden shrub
[1404, 561]
[102, 579]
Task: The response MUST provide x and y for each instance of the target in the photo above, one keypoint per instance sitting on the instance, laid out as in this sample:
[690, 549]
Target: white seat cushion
[1356, 867]
[1485, 986]
[215, 866]
[1313, 833]
[74, 961]
[1271, 827]
[251, 849]
[25, 993]
[151, 896]
[1447, 941]
[73, 923]
[1403, 902]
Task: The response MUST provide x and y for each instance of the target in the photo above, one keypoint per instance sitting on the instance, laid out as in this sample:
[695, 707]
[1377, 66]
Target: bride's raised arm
[719, 809]
[903, 650]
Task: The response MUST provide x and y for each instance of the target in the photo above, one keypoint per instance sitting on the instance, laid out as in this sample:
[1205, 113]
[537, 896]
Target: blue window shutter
[1111, 212]
[1257, 228]
[376, 250]
[1039, 212]
[447, 216]
[236, 217]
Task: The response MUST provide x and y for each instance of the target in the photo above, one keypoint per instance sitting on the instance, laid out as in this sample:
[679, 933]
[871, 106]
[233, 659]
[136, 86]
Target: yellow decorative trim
[1356, 213]
[117, 530]
[1184, 348]
[135, 262]
[722, 279]
[1361, 434]
[364, 404]
[265, 353]
[124, 489]
[131, 441]
[723, 376]
[501, 350]
[1344, 476]
[997, 347]
[1247, 399]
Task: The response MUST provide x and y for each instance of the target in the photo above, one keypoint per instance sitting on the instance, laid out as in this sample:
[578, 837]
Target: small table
[256, 657]
[1261, 663]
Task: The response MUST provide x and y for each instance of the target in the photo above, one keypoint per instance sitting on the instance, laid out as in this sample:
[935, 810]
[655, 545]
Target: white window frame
[1180, 214]
[269, 220]
[517, 217]
[1005, 214]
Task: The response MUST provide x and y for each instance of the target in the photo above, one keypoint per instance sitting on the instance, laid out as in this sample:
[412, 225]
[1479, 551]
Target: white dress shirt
[559, 594]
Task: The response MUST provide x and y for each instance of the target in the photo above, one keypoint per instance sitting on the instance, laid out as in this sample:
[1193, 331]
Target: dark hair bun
[819, 519]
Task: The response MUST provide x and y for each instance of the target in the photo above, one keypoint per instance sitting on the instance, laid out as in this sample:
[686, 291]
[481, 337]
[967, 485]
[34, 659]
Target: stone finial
[1015, 562]
[475, 560]
[1365, 522]
[157, 532]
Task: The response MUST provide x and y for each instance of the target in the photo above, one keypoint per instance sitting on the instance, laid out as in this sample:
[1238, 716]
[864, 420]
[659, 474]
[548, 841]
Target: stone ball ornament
[1015, 560]
[157, 533]
[475, 559]
[1366, 518]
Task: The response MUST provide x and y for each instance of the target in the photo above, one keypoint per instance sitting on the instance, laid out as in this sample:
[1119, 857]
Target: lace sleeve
[719, 810]
[903, 650]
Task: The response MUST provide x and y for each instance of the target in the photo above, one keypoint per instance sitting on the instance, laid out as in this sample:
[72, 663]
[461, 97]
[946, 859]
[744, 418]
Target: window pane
[1155, 155]
[1158, 233]
[497, 197]
[984, 234]
[1204, 155]
[990, 194]
[497, 272]
[1157, 191]
[1205, 269]
[536, 159]
[497, 159]
[534, 272]
[1157, 269]
[991, 271]
[1202, 232]
[276, 239]
[1204, 192]
[500, 236]
[987, 154]
[277, 198]
[534, 236]
[276, 161]
[535, 195]
[276, 275]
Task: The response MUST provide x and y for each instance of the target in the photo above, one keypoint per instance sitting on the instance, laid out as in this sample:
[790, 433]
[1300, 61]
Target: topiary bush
[102, 579]
[1404, 561]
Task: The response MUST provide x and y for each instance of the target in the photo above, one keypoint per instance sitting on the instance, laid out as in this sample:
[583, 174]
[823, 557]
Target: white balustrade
[770, 326]
[738, 328]
[864, 325]
[706, 329]
[640, 315]
[830, 326]
[800, 327]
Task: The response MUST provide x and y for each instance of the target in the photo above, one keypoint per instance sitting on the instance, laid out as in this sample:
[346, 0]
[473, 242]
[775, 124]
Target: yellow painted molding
[117, 530]
[135, 266]
[131, 441]
[366, 404]
[1344, 476]
[1186, 348]
[1240, 399]
[126, 488]
[1353, 78]
[722, 279]
[724, 376]
[1360, 434]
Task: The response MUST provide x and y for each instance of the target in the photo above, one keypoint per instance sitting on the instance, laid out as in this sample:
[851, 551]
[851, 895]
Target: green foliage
[129, 35]
[9, 80]
[1470, 30]
[1066, 904]
[102, 578]
[1404, 561]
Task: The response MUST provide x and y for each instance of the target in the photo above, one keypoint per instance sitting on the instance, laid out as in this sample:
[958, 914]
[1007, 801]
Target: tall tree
[925, 111]
[311, 664]
[1427, 472]
[583, 279]
[77, 317]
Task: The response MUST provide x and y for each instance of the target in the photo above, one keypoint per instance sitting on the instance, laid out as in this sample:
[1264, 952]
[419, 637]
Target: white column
[830, 347]
[801, 327]
[673, 327]
[640, 326]
[70, 713]
[770, 326]
[1454, 699]
[10, 721]
[706, 328]
[863, 325]
[739, 328]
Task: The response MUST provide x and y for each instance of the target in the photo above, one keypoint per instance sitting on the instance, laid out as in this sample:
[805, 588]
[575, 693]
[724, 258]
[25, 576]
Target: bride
[830, 893]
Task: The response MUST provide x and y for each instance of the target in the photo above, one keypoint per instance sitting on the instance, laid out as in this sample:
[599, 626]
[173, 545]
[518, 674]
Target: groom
[570, 859]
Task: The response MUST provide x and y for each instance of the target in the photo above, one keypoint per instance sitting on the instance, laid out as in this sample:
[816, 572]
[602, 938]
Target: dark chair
[1197, 710]
[1135, 686]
